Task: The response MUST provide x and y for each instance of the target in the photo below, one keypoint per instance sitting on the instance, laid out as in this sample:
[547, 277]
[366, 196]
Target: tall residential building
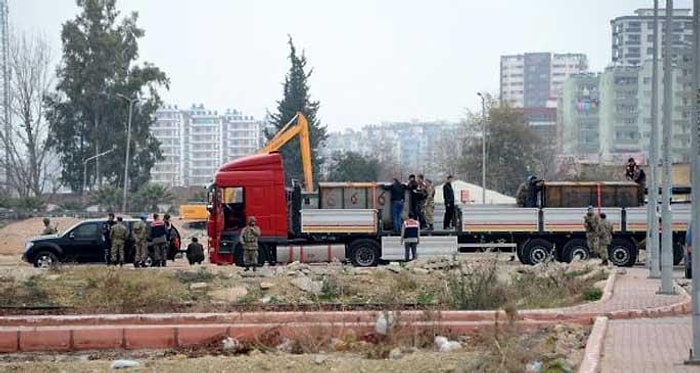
[619, 133]
[195, 142]
[168, 128]
[536, 79]
[632, 36]
[579, 115]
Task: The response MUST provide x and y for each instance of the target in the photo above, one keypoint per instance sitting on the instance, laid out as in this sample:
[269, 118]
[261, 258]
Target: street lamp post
[131, 102]
[85, 162]
[483, 148]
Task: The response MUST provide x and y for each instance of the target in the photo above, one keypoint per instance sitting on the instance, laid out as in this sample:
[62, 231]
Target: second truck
[352, 222]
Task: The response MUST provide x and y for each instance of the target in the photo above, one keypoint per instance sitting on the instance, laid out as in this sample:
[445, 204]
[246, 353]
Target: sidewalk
[645, 344]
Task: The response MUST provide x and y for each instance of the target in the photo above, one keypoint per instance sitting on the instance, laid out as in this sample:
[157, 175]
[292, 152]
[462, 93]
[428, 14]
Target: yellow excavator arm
[297, 126]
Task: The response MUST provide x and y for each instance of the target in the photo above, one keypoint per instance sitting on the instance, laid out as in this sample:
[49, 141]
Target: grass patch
[476, 288]
[189, 277]
[592, 294]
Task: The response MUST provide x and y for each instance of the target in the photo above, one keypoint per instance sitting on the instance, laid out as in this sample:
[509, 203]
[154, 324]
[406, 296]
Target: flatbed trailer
[351, 221]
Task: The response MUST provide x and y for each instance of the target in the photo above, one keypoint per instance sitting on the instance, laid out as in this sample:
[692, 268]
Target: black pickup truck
[84, 242]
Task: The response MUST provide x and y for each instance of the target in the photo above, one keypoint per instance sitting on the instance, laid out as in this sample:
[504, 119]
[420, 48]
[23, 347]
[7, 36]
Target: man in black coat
[449, 198]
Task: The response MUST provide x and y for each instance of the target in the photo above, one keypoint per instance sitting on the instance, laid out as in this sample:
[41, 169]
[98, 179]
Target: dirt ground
[322, 363]
[13, 235]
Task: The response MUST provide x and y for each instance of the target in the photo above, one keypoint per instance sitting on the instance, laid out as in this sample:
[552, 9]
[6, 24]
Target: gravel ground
[336, 362]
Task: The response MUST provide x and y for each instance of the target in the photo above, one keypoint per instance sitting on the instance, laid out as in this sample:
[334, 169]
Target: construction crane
[297, 126]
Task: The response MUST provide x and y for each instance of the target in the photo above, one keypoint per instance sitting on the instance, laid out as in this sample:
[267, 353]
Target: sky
[373, 61]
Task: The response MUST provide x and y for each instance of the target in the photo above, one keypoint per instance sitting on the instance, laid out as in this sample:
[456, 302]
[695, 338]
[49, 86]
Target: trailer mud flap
[429, 246]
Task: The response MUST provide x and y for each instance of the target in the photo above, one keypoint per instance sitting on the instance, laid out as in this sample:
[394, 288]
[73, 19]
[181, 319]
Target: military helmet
[47, 220]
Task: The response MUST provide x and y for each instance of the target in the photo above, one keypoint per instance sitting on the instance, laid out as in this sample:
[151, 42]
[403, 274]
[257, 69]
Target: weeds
[592, 294]
[474, 289]
[188, 277]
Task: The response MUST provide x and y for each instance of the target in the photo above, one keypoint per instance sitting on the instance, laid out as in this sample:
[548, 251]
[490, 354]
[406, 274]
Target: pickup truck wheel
[364, 253]
[622, 252]
[45, 259]
[677, 253]
[576, 248]
[537, 250]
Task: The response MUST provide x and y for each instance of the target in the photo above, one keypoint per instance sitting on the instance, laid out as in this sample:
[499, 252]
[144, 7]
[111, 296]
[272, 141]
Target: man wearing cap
[249, 240]
[160, 241]
[591, 222]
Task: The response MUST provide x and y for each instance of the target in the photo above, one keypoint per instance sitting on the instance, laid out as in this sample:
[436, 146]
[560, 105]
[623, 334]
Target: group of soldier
[599, 232]
[160, 232]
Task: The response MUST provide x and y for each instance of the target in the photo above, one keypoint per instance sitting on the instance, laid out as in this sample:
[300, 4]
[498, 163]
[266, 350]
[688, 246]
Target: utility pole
[695, 174]
[131, 102]
[666, 239]
[483, 148]
[653, 187]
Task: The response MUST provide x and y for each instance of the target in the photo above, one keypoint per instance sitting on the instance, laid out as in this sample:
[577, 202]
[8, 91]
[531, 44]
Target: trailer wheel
[623, 252]
[576, 248]
[364, 253]
[537, 250]
[521, 256]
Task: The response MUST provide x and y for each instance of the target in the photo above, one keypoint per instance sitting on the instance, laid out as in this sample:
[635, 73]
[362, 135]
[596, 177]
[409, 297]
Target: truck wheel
[623, 252]
[521, 255]
[576, 248]
[537, 250]
[677, 253]
[364, 253]
[45, 259]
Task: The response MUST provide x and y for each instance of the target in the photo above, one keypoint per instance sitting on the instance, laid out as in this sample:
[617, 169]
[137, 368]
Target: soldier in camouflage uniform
[605, 238]
[249, 240]
[118, 235]
[429, 203]
[140, 242]
[591, 223]
[48, 229]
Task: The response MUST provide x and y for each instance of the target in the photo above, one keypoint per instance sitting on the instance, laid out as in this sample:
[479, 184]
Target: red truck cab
[245, 187]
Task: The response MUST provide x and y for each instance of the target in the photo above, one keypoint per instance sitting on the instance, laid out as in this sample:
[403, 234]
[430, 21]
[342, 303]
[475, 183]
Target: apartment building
[196, 141]
[579, 115]
[633, 35]
[536, 79]
[168, 128]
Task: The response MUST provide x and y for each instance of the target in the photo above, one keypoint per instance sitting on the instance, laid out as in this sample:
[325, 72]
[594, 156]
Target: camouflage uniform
[521, 195]
[118, 235]
[249, 239]
[605, 238]
[48, 229]
[140, 242]
[429, 205]
[591, 222]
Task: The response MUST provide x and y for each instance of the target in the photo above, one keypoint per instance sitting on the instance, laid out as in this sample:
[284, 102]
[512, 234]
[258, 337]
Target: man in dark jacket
[397, 192]
[449, 198]
[195, 252]
[160, 241]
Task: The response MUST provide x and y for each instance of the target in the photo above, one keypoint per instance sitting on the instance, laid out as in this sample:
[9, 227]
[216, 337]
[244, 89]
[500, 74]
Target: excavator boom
[297, 126]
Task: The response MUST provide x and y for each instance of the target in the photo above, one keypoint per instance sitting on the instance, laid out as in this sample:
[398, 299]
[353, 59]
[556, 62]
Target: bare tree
[29, 170]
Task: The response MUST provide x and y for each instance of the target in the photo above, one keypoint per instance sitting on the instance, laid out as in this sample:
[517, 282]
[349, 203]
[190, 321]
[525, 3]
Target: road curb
[594, 347]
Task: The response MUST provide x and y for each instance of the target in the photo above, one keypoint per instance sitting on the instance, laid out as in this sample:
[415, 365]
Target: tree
[87, 113]
[352, 166]
[28, 168]
[297, 98]
[108, 197]
[149, 196]
[512, 149]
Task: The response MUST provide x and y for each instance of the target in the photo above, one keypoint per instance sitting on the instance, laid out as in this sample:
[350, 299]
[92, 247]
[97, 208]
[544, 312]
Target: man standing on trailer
[429, 203]
[448, 195]
[249, 240]
[410, 236]
[591, 222]
[397, 192]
